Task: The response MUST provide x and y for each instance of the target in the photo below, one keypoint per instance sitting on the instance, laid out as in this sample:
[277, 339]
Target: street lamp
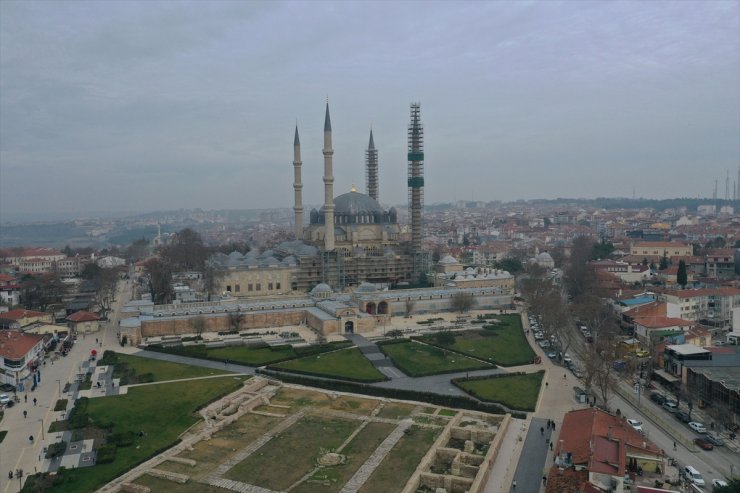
[59, 382]
[42, 428]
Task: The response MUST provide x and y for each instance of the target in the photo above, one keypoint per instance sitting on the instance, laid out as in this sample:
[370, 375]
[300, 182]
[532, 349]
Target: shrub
[78, 417]
[56, 450]
[106, 454]
[122, 439]
[61, 405]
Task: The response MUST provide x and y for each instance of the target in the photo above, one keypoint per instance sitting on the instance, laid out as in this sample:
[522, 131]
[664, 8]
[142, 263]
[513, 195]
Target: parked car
[544, 344]
[576, 372]
[637, 425]
[552, 355]
[703, 444]
[567, 359]
[697, 427]
[657, 398]
[715, 440]
[682, 416]
[6, 387]
[716, 483]
[670, 405]
[4, 399]
[693, 476]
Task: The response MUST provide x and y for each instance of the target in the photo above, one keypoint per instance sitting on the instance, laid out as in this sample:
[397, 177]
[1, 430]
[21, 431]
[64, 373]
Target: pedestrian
[553, 426]
[96, 340]
[513, 485]
[10, 474]
[674, 445]
[542, 430]
[544, 479]
[565, 375]
[25, 413]
[550, 445]
[25, 397]
[546, 384]
[30, 438]
[34, 401]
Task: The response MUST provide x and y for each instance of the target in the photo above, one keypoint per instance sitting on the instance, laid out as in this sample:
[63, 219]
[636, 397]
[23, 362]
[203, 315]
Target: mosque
[334, 276]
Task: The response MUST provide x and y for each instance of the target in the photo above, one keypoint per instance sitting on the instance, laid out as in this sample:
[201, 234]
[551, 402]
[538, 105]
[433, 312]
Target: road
[17, 451]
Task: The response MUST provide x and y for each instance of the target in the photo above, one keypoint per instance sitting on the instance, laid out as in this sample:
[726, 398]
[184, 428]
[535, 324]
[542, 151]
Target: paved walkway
[529, 472]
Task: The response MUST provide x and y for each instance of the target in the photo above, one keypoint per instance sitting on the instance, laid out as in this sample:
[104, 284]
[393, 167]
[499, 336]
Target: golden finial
[353, 189]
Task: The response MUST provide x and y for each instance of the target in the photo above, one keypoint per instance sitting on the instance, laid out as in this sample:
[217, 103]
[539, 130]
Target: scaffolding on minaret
[416, 189]
[371, 168]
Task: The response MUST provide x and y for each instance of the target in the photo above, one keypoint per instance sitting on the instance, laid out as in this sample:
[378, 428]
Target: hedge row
[453, 401]
[393, 341]
[320, 375]
[78, 417]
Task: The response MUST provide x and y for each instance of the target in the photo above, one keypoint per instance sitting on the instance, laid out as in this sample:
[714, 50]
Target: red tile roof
[20, 313]
[696, 293]
[6, 278]
[652, 309]
[83, 316]
[598, 439]
[15, 344]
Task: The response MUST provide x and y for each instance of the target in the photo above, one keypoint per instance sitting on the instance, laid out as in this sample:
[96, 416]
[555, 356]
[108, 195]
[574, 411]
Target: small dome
[322, 288]
[448, 259]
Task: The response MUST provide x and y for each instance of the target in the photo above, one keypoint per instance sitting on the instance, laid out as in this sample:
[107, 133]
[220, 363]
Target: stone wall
[221, 322]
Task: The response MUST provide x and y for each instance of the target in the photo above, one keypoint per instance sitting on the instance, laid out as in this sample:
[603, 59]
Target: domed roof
[448, 259]
[355, 203]
[321, 288]
[366, 287]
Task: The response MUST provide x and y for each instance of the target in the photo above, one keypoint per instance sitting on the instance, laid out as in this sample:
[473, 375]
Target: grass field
[287, 457]
[503, 344]
[400, 463]
[252, 356]
[347, 363]
[159, 370]
[417, 359]
[161, 411]
[513, 391]
[165, 486]
[357, 452]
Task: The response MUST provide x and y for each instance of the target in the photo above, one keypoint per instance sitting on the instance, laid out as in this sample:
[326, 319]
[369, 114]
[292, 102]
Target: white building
[20, 355]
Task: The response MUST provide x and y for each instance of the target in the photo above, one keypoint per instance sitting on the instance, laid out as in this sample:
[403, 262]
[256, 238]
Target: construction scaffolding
[371, 168]
[416, 184]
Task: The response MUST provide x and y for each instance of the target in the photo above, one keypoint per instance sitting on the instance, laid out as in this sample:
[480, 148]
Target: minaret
[328, 185]
[371, 163]
[416, 176]
[297, 186]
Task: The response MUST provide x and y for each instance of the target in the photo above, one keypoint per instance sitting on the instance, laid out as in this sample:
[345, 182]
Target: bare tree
[199, 325]
[160, 281]
[409, 307]
[235, 320]
[462, 302]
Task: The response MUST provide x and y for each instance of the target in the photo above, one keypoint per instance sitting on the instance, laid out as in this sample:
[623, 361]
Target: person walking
[542, 430]
[25, 413]
[34, 401]
[674, 445]
[25, 397]
[513, 485]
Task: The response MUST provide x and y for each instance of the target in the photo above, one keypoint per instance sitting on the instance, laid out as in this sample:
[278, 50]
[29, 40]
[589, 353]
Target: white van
[693, 476]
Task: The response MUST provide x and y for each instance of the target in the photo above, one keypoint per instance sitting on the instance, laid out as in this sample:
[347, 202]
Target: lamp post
[59, 383]
[42, 428]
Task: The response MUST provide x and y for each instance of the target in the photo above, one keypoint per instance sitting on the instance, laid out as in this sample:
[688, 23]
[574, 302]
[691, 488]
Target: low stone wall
[220, 322]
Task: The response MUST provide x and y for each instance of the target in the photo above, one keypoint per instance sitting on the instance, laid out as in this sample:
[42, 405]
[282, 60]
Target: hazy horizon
[145, 106]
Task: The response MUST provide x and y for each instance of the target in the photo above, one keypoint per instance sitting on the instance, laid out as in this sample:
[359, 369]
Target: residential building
[713, 305]
[720, 262]
[600, 452]
[669, 249]
[83, 322]
[652, 329]
[27, 317]
[20, 355]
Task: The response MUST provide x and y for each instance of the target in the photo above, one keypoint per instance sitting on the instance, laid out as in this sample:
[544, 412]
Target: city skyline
[138, 106]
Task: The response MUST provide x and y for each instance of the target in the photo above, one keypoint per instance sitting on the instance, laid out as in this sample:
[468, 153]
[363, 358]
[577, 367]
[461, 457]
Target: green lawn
[513, 391]
[417, 359]
[252, 356]
[160, 370]
[346, 363]
[503, 344]
[357, 451]
[400, 463]
[161, 411]
[288, 456]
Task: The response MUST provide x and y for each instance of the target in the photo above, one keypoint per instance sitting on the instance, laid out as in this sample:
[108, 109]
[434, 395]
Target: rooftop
[15, 344]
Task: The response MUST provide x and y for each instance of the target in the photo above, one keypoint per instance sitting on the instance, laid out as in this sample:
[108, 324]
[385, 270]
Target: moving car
[703, 444]
[637, 425]
[697, 427]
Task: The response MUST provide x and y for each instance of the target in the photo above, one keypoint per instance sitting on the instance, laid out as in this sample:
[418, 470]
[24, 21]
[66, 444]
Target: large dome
[356, 203]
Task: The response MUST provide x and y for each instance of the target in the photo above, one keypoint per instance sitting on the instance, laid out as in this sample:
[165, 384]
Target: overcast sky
[135, 106]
